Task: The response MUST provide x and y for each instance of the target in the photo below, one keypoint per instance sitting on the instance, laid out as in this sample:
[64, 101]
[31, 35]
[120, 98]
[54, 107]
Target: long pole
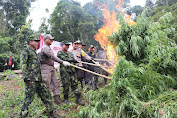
[101, 67]
[91, 64]
[104, 60]
[90, 71]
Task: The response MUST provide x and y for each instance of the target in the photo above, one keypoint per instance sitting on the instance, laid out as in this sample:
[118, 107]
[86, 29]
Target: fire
[129, 20]
[111, 24]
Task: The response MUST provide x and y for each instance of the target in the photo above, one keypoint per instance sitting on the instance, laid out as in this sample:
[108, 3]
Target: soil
[9, 85]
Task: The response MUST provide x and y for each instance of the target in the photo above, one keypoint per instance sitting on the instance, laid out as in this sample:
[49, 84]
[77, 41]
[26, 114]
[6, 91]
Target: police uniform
[68, 75]
[78, 55]
[49, 73]
[31, 70]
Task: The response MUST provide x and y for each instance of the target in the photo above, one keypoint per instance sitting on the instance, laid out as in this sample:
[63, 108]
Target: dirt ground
[9, 85]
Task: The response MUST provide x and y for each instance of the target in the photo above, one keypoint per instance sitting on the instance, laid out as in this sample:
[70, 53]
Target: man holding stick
[48, 70]
[68, 74]
[90, 78]
[79, 55]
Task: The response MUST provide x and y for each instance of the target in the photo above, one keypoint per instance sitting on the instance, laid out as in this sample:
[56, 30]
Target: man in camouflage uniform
[48, 70]
[68, 74]
[90, 78]
[31, 70]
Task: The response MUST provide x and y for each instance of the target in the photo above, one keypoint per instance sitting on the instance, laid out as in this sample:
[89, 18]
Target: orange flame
[110, 25]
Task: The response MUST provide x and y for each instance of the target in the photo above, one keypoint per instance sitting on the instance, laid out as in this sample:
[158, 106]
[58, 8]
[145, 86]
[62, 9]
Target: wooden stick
[92, 64]
[90, 71]
[101, 59]
[101, 67]
[104, 60]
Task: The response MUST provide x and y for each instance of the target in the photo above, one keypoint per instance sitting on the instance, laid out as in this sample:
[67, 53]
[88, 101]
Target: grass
[12, 95]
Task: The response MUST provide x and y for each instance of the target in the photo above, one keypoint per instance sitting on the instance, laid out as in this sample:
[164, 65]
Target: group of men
[40, 77]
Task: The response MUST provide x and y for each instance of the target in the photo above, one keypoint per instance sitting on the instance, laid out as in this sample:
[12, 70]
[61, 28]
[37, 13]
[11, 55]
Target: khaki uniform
[79, 55]
[48, 70]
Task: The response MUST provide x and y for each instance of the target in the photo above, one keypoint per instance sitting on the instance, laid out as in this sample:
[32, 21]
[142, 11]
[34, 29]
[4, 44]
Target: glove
[65, 63]
[13, 66]
[97, 63]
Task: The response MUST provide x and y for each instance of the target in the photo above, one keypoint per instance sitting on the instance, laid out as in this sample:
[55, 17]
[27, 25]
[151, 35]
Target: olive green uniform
[31, 70]
[68, 74]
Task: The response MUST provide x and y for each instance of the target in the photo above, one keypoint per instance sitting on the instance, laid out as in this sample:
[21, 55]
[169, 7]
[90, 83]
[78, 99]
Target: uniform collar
[32, 49]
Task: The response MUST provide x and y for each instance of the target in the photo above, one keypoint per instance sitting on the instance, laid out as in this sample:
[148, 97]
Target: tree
[14, 13]
[137, 10]
[69, 21]
[149, 3]
[160, 10]
[24, 34]
[165, 2]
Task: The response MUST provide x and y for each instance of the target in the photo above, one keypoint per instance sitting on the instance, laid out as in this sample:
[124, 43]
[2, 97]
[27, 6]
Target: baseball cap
[76, 42]
[48, 36]
[80, 43]
[65, 42]
[91, 46]
[33, 38]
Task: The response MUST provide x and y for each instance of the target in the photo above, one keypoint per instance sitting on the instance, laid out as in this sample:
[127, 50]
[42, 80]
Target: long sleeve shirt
[49, 56]
[30, 65]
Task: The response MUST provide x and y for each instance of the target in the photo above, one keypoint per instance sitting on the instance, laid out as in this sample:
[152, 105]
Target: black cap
[33, 38]
[65, 42]
[91, 46]
[80, 43]
[76, 42]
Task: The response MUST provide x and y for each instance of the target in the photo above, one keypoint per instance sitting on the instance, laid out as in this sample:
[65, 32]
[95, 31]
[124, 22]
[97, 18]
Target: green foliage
[24, 35]
[7, 47]
[137, 9]
[159, 10]
[13, 15]
[69, 21]
[140, 85]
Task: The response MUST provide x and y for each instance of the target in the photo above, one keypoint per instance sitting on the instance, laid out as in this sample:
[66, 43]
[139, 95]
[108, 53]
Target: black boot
[78, 100]
[23, 115]
[53, 115]
[66, 99]
[94, 85]
[81, 85]
[57, 100]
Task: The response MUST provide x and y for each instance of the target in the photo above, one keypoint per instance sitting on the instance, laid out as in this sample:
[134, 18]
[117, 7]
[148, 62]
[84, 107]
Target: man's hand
[65, 63]
[13, 66]
[97, 63]
[27, 81]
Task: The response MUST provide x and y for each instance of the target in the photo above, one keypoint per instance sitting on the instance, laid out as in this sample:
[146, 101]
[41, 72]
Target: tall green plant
[145, 72]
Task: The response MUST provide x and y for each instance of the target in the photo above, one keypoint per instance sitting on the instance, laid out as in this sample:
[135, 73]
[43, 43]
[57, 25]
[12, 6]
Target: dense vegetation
[144, 80]
[68, 21]
[143, 84]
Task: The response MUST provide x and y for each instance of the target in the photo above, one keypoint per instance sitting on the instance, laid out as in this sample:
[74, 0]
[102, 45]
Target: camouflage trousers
[69, 79]
[42, 91]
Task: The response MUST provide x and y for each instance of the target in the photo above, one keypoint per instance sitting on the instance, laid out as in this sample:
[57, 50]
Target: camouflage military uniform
[31, 70]
[68, 74]
[92, 79]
